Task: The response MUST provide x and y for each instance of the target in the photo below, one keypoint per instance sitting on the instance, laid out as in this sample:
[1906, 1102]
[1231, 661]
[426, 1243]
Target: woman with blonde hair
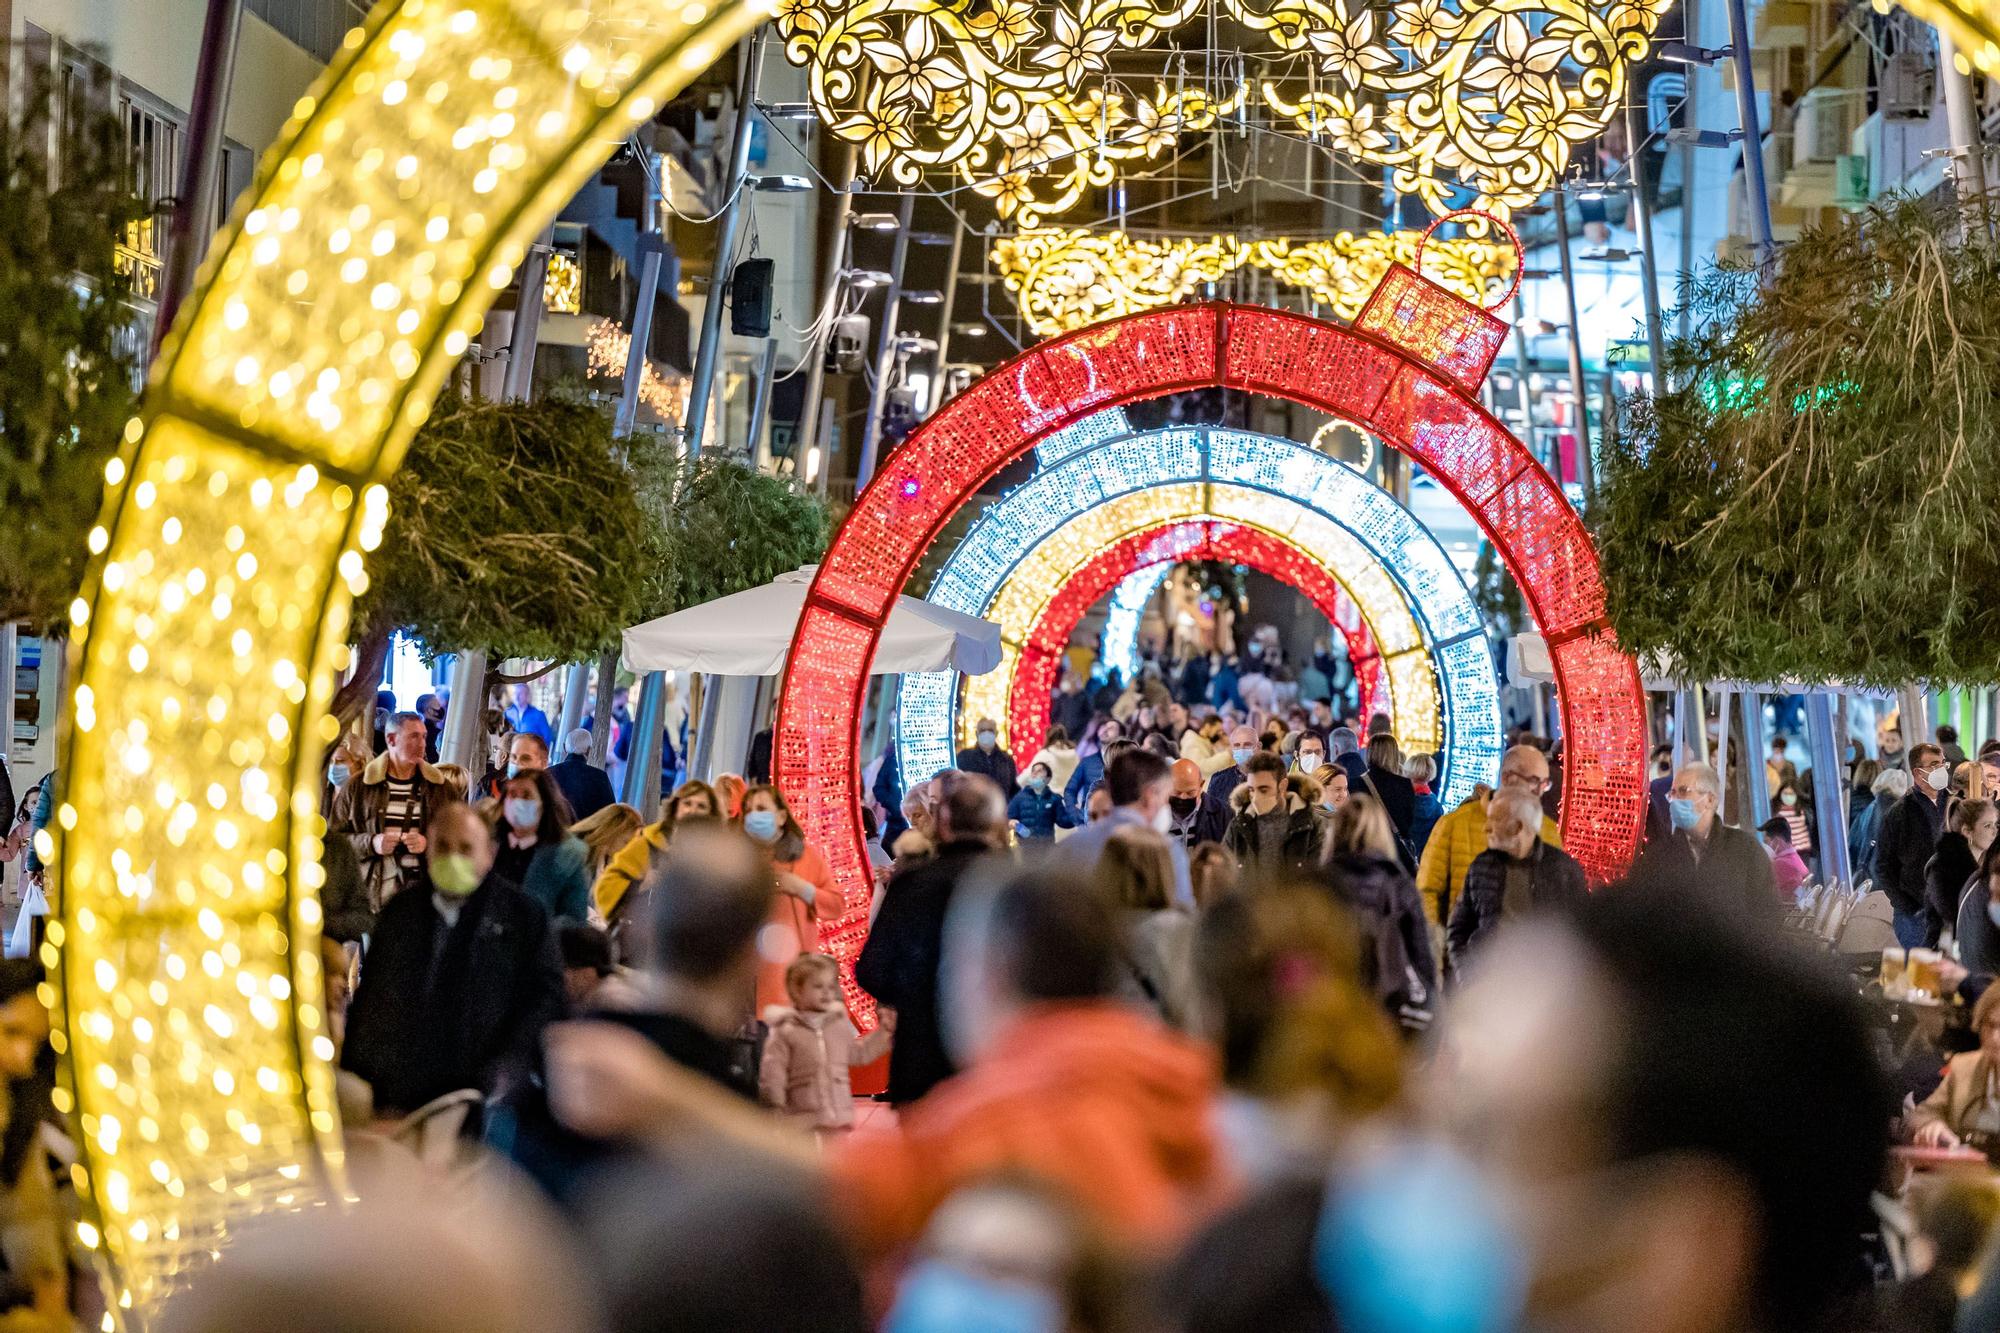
[1366, 877]
[1135, 873]
[605, 834]
[691, 800]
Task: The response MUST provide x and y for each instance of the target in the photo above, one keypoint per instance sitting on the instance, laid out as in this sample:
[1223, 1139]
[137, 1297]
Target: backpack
[1386, 965]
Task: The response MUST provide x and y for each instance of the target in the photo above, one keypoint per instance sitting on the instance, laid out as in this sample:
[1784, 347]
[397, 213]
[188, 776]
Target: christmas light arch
[185, 852]
[1092, 479]
[1118, 642]
[1406, 372]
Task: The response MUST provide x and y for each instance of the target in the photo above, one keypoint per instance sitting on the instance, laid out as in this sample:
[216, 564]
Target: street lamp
[873, 221]
[780, 184]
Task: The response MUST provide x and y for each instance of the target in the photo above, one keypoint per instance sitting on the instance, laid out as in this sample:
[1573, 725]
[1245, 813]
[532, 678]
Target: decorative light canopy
[1409, 400]
[186, 846]
[1019, 100]
[1065, 280]
[1100, 482]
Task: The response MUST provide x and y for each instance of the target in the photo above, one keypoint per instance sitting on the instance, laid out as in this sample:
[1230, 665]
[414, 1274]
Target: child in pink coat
[813, 1044]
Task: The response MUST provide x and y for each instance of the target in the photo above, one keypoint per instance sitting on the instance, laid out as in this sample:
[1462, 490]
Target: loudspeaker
[750, 298]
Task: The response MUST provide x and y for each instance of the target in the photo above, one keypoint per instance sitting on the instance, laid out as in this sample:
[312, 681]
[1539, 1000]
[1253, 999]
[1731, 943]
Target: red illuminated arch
[1409, 404]
[1230, 542]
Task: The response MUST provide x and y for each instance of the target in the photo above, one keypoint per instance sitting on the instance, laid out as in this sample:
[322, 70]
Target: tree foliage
[1819, 499]
[724, 527]
[515, 528]
[69, 345]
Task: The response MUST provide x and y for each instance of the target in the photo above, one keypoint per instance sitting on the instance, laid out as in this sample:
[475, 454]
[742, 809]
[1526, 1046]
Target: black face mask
[1181, 805]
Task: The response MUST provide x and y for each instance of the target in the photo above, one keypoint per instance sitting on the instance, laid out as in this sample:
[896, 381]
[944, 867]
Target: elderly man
[1726, 864]
[384, 811]
[1196, 817]
[583, 785]
[1459, 838]
[1518, 874]
[1242, 745]
[988, 760]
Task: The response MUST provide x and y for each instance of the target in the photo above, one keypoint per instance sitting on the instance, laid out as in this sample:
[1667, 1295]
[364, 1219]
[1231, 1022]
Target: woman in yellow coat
[692, 800]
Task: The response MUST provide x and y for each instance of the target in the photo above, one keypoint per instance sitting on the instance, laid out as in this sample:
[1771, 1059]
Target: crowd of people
[1212, 1021]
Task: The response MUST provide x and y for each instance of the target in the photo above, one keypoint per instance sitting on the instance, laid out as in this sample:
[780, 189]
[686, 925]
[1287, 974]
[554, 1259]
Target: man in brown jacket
[382, 812]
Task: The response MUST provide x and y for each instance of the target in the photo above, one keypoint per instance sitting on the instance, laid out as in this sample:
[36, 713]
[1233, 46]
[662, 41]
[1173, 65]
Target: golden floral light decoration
[1018, 99]
[1067, 280]
[562, 288]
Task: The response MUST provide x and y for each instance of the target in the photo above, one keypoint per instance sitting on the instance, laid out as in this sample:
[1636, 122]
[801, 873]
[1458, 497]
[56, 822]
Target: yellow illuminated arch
[392, 210]
[1035, 581]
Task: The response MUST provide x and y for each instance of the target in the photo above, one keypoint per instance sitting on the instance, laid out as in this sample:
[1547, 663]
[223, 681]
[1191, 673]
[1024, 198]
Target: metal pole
[600, 711]
[1753, 135]
[708, 354]
[944, 324]
[521, 339]
[464, 721]
[642, 763]
[760, 408]
[1649, 273]
[1829, 790]
[194, 209]
[885, 347]
[574, 691]
[1718, 755]
[1961, 114]
[826, 433]
[1586, 465]
[702, 762]
[653, 249]
[809, 413]
[1756, 744]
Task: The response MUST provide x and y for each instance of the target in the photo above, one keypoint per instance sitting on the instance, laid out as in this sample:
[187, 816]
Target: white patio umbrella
[749, 633]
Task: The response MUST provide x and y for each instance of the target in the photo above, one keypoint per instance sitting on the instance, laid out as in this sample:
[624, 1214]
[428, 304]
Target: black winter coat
[1734, 870]
[418, 1029]
[586, 787]
[899, 966]
[1949, 870]
[1903, 849]
[996, 764]
[1378, 890]
[1555, 881]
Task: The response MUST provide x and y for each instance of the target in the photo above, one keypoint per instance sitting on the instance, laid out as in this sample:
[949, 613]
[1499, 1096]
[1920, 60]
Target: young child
[813, 1044]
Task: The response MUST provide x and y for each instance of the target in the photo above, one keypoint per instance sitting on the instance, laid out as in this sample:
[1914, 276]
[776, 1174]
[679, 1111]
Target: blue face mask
[1685, 816]
[1038, 783]
[513, 769]
[937, 1297]
[521, 812]
[761, 824]
[337, 775]
[1242, 753]
[1412, 1242]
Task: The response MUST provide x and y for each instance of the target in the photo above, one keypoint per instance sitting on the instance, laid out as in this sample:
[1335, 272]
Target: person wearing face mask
[1726, 864]
[1196, 817]
[1089, 770]
[1140, 784]
[524, 751]
[1273, 830]
[1968, 831]
[461, 976]
[1038, 812]
[1242, 748]
[988, 760]
[1059, 753]
[383, 812]
[1909, 837]
[1309, 756]
[692, 803]
[1206, 747]
[1788, 868]
[1790, 805]
[808, 897]
[535, 850]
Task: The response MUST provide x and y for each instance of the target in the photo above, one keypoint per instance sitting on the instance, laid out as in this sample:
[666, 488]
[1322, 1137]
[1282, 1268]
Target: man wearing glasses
[1703, 852]
[1459, 837]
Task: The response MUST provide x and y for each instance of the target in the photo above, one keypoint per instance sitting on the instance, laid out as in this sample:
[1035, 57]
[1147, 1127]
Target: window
[155, 143]
[316, 26]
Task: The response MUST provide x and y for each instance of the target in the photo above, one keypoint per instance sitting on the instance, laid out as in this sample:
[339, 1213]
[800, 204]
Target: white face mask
[1309, 762]
[1938, 778]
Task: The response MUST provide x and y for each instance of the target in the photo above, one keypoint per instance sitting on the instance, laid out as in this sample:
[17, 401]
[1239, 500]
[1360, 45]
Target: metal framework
[1102, 481]
[1406, 372]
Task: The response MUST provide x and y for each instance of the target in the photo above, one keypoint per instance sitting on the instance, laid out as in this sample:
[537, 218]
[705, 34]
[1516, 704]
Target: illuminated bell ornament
[1436, 325]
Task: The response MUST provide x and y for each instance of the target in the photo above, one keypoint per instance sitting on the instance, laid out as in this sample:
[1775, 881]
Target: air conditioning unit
[1823, 126]
[1906, 87]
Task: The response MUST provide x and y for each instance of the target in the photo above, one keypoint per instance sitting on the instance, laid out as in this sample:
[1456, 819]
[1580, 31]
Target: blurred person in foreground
[461, 975]
[1517, 875]
[1307, 1053]
[899, 963]
[34, 1283]
[693, 802]
[708, 898]
[404, 1257]
[1656, 1120]
[1725, 867]
[1061, 1081]
[1955, 1217]
[1459, 837]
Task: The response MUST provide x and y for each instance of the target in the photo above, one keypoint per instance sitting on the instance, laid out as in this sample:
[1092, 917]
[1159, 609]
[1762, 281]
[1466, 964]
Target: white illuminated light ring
[1118, 646]
[1102, 456]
